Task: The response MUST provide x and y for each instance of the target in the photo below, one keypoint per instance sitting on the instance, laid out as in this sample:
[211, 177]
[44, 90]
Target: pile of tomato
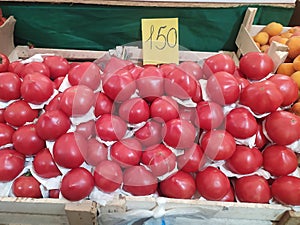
[217, 131]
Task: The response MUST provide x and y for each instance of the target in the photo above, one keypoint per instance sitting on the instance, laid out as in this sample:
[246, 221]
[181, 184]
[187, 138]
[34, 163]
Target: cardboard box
[7, 36]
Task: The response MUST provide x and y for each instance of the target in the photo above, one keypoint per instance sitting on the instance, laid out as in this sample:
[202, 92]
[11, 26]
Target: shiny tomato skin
[54, 103]
[2, 120]
[44, 164]
[104, 105]
[244, 160]
[229, 197]
[54, 193]
[164, 108]
[26, 186]
[274, 155]
[33, 67]
[57, 82]
[108, 176]
[58, 66]
[6, 133]
[19, 112]
[180, 185]
[260, 138]
[11, 164]
[16, 67]
[192, 68]
[252, 188]
[10, 85]
[77, 184]
[26, 140]
[96, 152]
[167, 68]
[87, 129]
[114, 64]
[149, 134]
[212, 184]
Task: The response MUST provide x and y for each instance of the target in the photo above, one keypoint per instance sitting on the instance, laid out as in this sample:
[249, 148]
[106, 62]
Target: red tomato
[134, 110]
[240, 123]
[212, 184]
[54, 193]
[275, 155]
[167, 68]
[164, 108]
[44, 164]
[159, 159]
[58, 66]
[287, 86]
[54, 103]
[243, 82]
[179, 185]
[77, 184]
[108, 176]
[149, 134]
[77, 100]
[135, 71]
[223, 88]
[87, 129]
[16, 67]
[192, 68]
[10, 85]
[96, 152]
[150, 83]
[192, 160]
[218, 144]
[286, 189]
[26, 186]
[58, 81]
[209, 115]
[68, 150]
[6, 133]
[4, 63]
[187, 113]
[282, 127]
[36, 88]
[217, 63]
[256, 65]
[139, 181]
[33, 67]
[52, 124]
[252, 188]
[11, 164]
[110, 127]
[114, 64]
[103, 105]
[179, 133]
[229, 197]
[87, 73]
[19, 112]
[126, 152]
[260, 138]
[27, 141]
[2, 120]
[244, 160]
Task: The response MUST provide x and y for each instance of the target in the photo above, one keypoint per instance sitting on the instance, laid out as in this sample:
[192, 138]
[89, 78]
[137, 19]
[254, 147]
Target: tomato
[19, 112]
[58, 81]
[159, 159]
[2, 120]
[187, 113]
[110, 127]
[52, 124]
[27, 141]
[36, 88]
[240, 123]
[134, 110]
[149, 134]
[4, 63]
[252, 188]
[139, 181]
[150, 83]
[212, 184]
[229, 197]
[256, 65]
[275, 155]
[179, 133]
[103, 104]
[217, 63]
[96, 152]
[68, 150]
[77, 184]
[286, 189]
[179, 185]
[260, 138]
[114, 64]
[108, 176]
[192, 68]
[244, 160]
[87, 73]
[223, 88]
[54, 103]
[26, 186]
[6, 133]
[287, 86]
[10, 85]
[218, 144]
[282, 127]
[135, 71]
[192, 160]
[243, 82]
[164, 108]
[33, 67]
[126, 152]
[167, 68]
[87, 129]
[16, 67]
[209, 115]
[77, 100]
[11, 164]
[54, 193]
[58, 66]
[119, 86]
[44, 164]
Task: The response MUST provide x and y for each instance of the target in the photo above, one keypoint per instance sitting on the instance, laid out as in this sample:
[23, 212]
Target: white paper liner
[5, 104]
[187, 102]
[76, 120]
[36, 58]
[250, 142]
[41, 106]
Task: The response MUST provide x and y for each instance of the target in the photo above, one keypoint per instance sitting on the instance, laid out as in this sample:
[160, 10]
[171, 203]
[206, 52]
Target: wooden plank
[84, 213]
[32, 219]
[290, 218]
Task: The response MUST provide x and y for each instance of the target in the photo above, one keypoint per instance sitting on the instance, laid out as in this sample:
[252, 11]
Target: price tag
[160, 41]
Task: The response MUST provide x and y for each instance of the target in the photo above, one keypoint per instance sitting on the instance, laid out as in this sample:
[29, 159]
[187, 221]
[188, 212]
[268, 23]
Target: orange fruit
[294, 46]
[261, 37]
[296, 63]
[286, 34]
[296, 77]
[286, 69]
[296, 108]
[278, 38]
[273, 28]
[264, 48]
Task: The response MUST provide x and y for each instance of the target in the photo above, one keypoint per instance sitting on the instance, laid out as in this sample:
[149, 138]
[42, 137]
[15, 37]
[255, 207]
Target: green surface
[99, 27]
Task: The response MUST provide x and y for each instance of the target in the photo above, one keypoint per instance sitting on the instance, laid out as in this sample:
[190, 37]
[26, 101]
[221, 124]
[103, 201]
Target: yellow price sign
[160, 41]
